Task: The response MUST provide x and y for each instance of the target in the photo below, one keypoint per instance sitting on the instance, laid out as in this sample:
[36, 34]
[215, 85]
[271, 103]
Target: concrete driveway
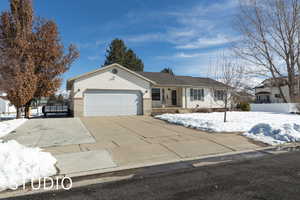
[51, 132]
[140, 139]
[101, 144]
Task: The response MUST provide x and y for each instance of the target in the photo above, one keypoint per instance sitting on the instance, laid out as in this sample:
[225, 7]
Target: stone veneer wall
[147, 106]
[78, 107]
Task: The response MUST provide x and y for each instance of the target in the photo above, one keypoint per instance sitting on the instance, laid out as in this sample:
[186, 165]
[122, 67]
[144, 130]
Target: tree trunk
[282, 94]
[225, 113]
[27, 109]
[292, 93]
[18, 113]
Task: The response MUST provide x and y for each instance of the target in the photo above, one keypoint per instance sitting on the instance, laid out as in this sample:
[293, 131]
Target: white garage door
[112, 103]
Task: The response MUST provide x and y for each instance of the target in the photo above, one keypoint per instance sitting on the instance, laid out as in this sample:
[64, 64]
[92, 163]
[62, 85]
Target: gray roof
[169, 80]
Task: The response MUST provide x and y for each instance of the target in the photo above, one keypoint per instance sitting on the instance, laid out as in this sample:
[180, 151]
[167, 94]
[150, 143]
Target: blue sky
[184, 35]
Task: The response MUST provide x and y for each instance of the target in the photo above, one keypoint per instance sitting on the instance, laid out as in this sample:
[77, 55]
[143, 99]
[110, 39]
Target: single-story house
[116, 90]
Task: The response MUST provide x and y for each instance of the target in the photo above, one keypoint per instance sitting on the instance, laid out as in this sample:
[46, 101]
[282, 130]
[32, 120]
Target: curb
[146, 170]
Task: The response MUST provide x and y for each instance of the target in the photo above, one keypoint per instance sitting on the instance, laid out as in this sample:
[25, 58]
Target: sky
[185, 35]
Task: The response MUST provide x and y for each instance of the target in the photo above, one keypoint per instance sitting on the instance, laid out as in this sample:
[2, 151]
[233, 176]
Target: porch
[167, 97]
[263, 97]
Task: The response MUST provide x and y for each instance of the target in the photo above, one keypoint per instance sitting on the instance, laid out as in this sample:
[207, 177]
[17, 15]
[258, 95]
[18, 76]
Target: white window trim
[160, 94]
[202, 97]
[217, 97]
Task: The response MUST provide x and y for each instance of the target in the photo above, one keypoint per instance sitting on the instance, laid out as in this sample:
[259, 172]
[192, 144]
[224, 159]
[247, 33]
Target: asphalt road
[266, 178]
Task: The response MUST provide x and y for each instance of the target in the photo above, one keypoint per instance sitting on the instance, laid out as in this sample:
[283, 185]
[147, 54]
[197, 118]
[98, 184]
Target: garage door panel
[112, 103]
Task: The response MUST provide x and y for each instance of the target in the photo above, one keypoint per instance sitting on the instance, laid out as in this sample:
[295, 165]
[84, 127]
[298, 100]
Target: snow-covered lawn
[10, 125]
[270, 128]
[20, 164]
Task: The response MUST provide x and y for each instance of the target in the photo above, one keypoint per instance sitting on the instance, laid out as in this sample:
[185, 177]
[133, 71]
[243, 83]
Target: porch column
[184, 98]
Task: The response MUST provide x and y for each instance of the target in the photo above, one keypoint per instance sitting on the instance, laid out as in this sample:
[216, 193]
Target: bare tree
[270, 32]
[231, 73]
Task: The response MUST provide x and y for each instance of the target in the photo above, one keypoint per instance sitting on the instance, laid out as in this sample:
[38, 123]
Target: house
[268, 92]
[116, 90]
[243, 97]
[5, 106]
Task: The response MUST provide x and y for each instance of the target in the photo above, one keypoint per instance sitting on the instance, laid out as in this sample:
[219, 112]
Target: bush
[202, 110]
[243, 106]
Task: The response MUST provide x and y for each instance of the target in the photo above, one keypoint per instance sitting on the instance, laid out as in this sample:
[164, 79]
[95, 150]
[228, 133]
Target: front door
[174, 98]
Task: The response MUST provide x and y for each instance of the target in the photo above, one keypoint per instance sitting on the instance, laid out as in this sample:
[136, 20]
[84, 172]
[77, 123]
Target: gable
[112, 78]
[90, 74]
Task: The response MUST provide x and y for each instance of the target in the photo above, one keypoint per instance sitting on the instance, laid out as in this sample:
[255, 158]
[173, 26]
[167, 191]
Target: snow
[20, 164]
[8, 126]
[6, 116]
[267, 127]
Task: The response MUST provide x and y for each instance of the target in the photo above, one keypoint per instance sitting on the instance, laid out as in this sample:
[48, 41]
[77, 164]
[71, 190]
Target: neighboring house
[243, 97]
[5, 106]
[268, 92]
[116, 90]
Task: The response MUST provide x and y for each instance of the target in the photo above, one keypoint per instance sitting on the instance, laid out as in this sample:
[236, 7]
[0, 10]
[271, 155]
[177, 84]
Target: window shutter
[215, 94]
[199, 94]
[192, 94]
[195, 94]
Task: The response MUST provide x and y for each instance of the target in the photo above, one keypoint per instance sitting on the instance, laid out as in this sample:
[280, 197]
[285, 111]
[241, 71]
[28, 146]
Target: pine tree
[132, 62]
[167, 70]
[117, 52]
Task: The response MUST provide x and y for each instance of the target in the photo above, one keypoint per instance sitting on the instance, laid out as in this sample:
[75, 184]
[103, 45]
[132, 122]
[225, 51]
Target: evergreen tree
[167, 70]
[117, 52]
[132, 62]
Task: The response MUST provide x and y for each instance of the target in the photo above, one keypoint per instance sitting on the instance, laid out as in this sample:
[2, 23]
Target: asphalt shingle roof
[168, 79]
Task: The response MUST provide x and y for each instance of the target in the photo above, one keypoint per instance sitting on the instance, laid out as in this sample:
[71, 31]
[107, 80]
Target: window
[277, 96]
[219, 94]
[197, 94]
[155, 94]
[257, 98]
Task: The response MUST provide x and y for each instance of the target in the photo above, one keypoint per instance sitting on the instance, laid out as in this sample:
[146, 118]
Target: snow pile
[19, 164]
[6, 116]
[275, 133]
[270, 128]
[10, 125]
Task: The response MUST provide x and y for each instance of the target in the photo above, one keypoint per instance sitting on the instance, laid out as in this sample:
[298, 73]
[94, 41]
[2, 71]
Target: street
[274, 177]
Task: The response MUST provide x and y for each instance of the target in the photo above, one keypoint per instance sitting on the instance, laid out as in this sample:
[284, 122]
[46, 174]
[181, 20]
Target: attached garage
[110, 91]
[112, 102]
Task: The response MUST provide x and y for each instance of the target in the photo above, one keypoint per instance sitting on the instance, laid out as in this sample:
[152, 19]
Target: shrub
[202, 110]
[243, 106]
